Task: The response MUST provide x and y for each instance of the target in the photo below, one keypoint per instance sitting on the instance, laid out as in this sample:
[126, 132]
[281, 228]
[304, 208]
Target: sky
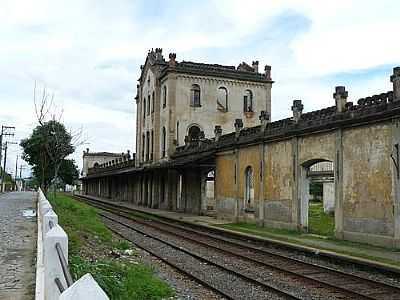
[88, 54]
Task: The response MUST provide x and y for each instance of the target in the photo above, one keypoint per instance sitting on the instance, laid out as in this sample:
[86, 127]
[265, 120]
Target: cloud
[89, 53]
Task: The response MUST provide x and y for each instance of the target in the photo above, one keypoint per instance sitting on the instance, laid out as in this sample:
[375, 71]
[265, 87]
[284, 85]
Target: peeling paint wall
[278, 183]
[225, 185]
[367, 180]
[207, 115]
[317, 146]
[249, 157]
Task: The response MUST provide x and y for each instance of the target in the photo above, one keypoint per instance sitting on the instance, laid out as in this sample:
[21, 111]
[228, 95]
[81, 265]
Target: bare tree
[57, 146]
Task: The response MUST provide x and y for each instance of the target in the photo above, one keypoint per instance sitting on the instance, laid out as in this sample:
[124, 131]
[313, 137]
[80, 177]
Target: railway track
[255, 267]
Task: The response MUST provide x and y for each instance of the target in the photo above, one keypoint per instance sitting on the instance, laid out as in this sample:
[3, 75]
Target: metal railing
[64, 266]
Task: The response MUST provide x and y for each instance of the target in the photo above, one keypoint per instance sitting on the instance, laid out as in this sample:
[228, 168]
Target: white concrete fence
[53, 279]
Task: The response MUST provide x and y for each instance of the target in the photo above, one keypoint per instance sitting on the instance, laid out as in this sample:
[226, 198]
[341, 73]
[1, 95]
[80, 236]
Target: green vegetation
[90, 245]
[320, 222]
[374, 253]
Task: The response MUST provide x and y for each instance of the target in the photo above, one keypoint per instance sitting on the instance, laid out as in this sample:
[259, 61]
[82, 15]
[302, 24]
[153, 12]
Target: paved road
[17, 246]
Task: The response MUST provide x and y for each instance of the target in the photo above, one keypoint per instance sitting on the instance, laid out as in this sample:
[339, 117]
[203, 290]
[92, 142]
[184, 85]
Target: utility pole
[16, 173]
[4, 132]
[4, 165]
[21, 167]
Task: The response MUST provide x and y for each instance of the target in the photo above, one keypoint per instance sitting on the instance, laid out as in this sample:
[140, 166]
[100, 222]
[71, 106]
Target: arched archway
[317, 196]
[194, 132]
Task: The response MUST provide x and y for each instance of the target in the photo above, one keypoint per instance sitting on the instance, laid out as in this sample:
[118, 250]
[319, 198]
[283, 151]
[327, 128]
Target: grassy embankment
[93, 249]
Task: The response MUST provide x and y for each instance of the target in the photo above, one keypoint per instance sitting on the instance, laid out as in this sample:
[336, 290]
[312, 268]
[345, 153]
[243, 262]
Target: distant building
[95, 159]
[183, 101]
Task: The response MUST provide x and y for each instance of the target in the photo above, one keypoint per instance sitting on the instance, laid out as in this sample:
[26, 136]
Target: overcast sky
[88, 53]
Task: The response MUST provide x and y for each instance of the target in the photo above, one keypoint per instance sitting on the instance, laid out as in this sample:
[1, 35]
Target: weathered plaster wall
[317, 146]
[278, 183]
[249, 156]
[225, 185]
[207, 116]
[367, 180]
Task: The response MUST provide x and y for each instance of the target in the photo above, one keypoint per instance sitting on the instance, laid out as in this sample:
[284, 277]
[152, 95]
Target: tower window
[195, 96]
[164, 96]
[248, 101]
[222, 99]
[152, 102]
[163, 141]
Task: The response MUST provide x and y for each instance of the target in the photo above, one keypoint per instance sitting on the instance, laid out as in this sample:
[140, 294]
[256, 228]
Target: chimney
[238, 127]
[267, 73]
[395, 79]
[158, 53]
[297, 109]
[340, 96]
[172, 60]
[255, 66]
[217, 132]
[87, 150]
[264, 118]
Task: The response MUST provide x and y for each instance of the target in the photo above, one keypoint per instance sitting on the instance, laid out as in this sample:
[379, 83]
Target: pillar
[396, 180]
[395, 79]
[338, 165]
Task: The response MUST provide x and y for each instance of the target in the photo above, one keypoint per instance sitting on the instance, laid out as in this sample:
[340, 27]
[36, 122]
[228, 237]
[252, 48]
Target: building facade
[262, 170]
[98, 159]
[178, 101]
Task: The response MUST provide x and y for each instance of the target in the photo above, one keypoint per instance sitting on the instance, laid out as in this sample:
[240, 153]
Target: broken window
[222, 99]
[195, 96]
[248, 101]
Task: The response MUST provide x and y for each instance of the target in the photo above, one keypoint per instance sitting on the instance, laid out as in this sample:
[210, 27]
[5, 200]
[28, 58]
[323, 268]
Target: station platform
[369, 255]
[18, 236]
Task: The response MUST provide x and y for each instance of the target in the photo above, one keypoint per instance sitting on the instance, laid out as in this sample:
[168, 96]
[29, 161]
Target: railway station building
[205, 144]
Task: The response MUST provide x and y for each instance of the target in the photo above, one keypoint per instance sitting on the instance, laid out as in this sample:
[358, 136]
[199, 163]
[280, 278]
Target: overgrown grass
[90, 241]
[320, 222]
[329, 243]
[79, 221]
[122, 281]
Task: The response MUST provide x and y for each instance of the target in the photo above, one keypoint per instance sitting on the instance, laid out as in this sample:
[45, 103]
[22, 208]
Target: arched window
[152, 102]
[164, 97]
[194, 133]
[96, 165]
[222, 99]
[249, 188]
[177, 133]
[143, 146]
[163, 141]
[152, 145]
[147, 145]
[195, 95]
[248, 101]
[144, 108]
[148, 105]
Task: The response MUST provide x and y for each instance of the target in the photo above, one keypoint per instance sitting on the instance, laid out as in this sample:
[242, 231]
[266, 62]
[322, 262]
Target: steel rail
[198, 257]
[393, 289]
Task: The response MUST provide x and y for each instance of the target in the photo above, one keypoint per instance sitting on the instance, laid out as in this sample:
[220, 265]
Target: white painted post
[49, 216]
[85, 288]
[52, 265]
[44, 207]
